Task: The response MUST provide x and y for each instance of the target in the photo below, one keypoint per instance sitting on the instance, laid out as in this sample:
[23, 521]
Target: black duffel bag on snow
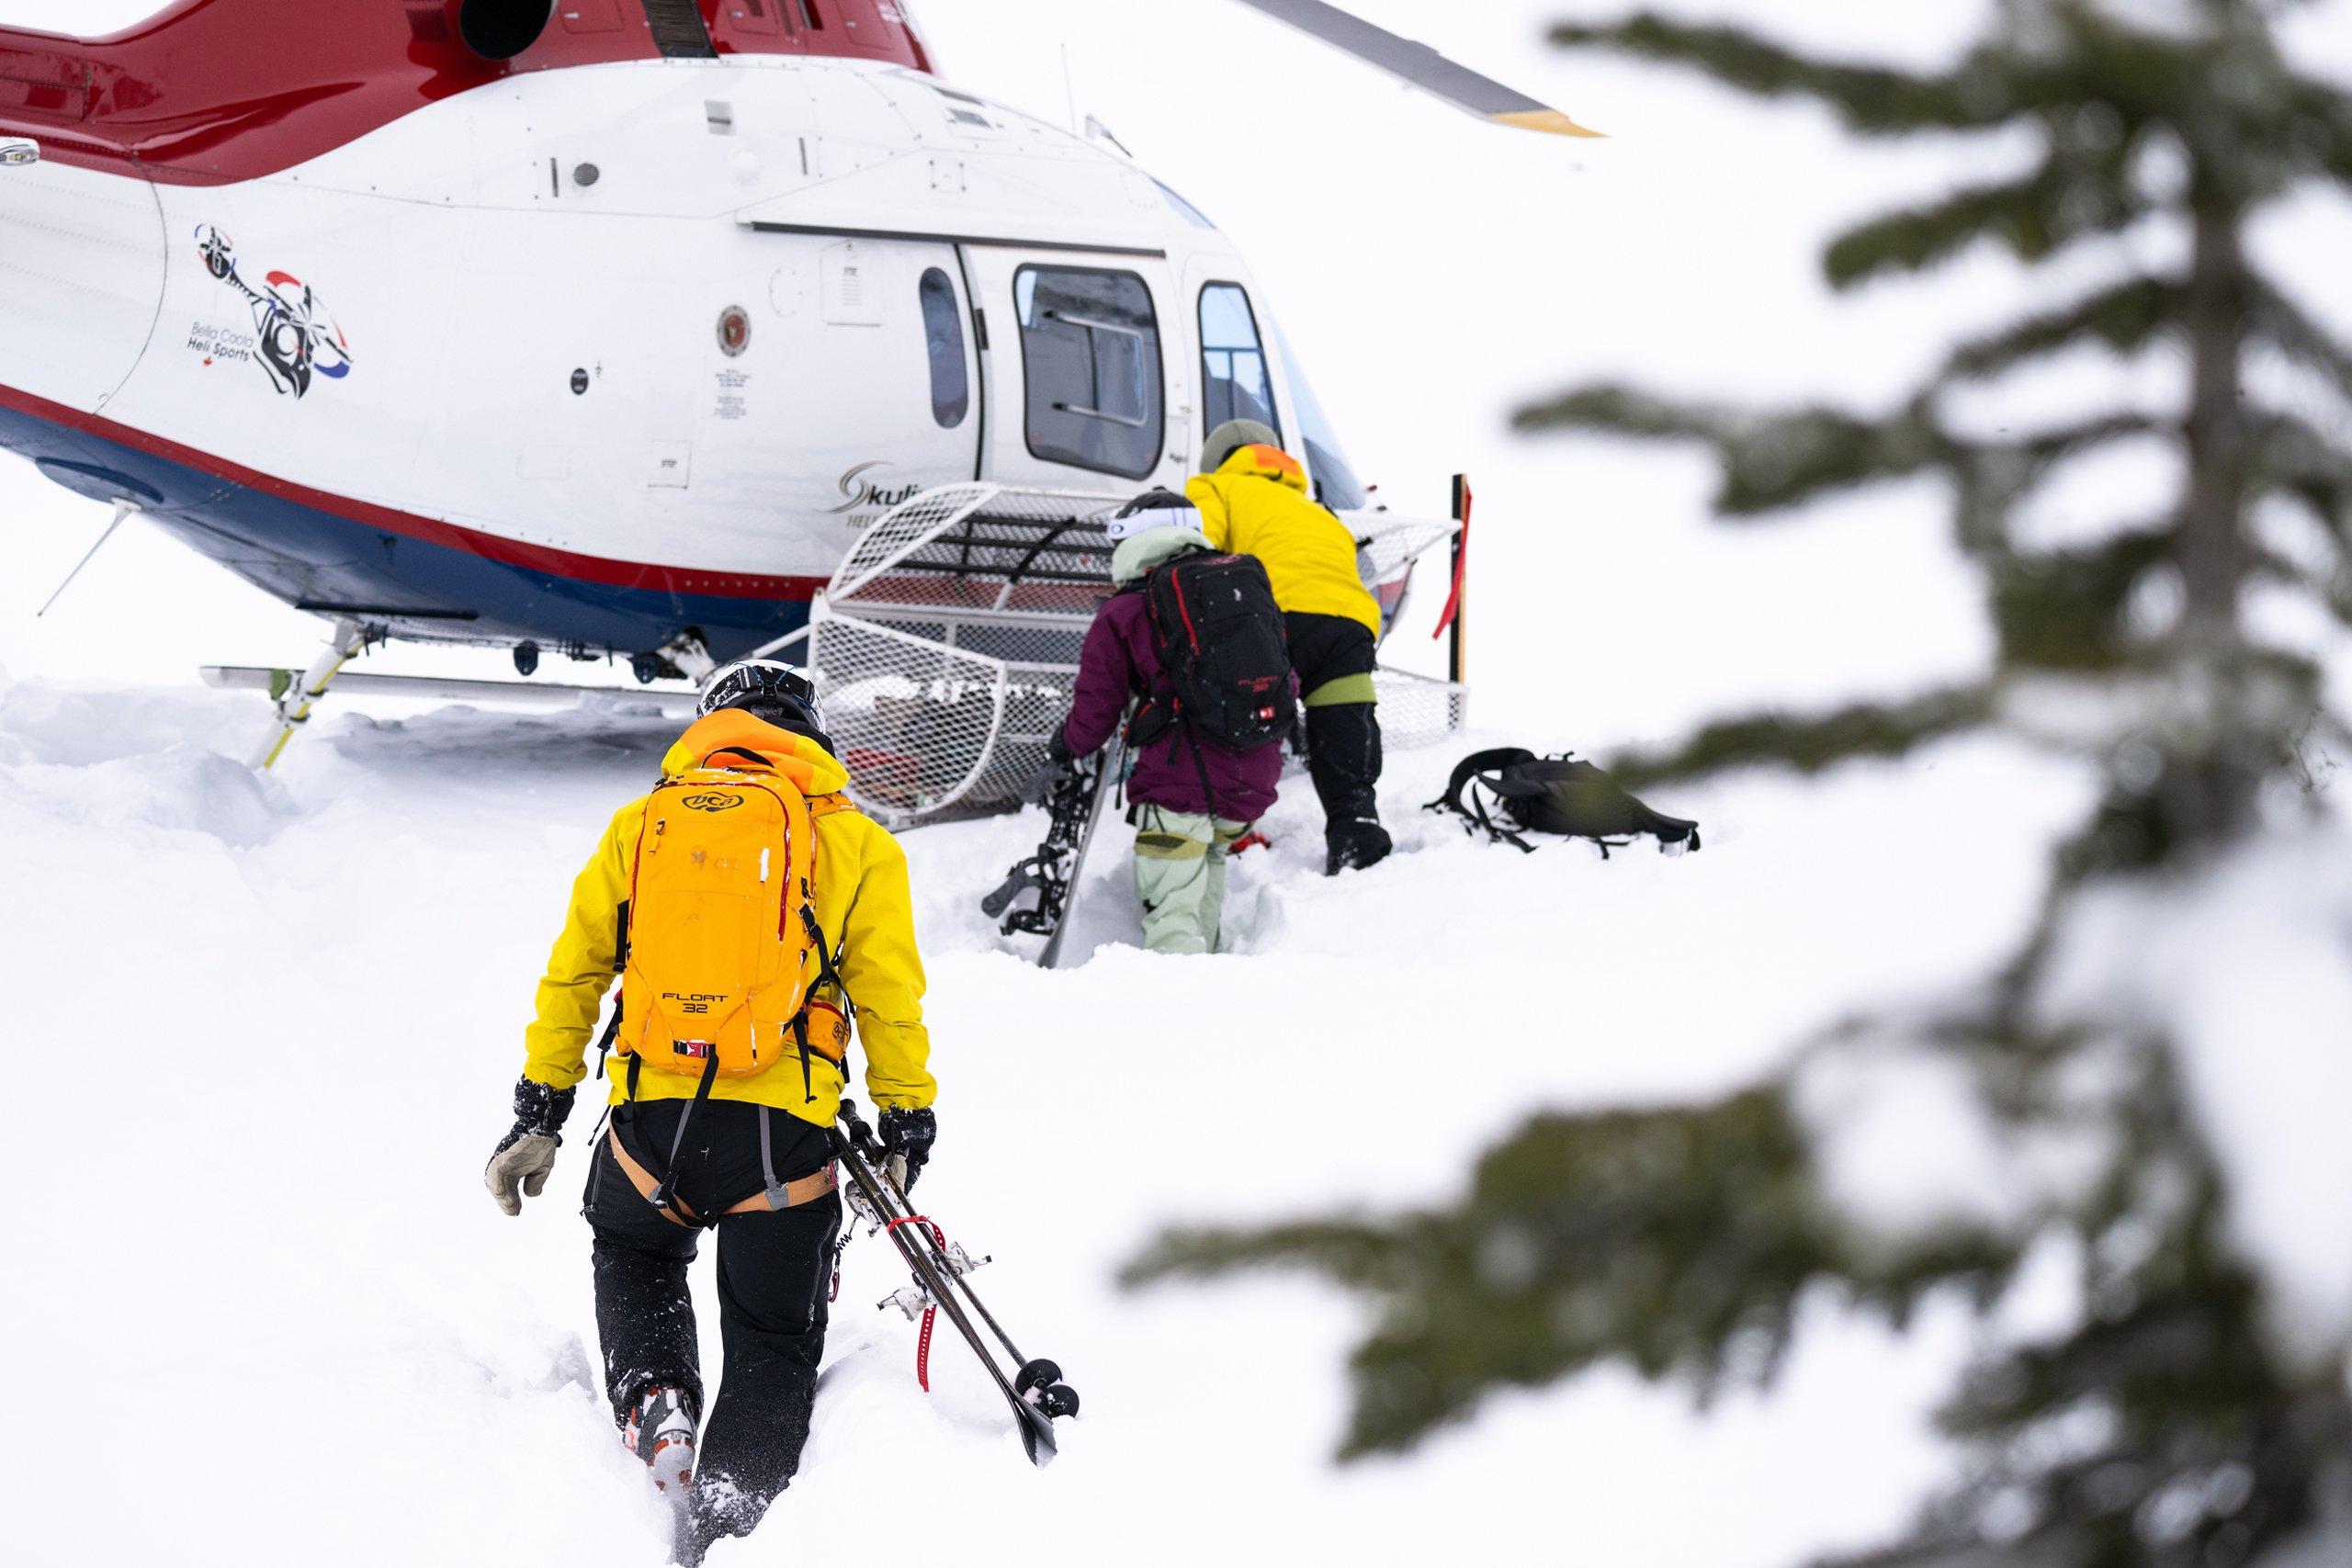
[1555, 795]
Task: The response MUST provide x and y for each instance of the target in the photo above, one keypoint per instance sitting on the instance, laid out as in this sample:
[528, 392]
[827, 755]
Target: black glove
[1058, 749]
[526, 1155]
[907, 1137]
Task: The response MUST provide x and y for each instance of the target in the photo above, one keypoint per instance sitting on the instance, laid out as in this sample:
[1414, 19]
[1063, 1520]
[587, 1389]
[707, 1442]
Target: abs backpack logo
[712, 802]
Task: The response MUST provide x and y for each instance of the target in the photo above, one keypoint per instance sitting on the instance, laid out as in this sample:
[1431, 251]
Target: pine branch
[2321, 118]
[1990, 479]
[1665, 1239]
[1625, 411]
[1361, 1255]
[2274, 318]
[2032, 217]
[1770, 462]
[2290, 457]
[2124, 317]
[1812, 745]
[1870, 99]
[2065, 610]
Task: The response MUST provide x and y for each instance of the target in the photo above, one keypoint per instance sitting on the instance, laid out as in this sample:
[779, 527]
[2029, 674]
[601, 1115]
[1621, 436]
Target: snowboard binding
[1049, 874]
[1035, 899]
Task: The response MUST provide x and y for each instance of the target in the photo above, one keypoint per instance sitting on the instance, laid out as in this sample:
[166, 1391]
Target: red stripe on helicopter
[544, 558]
[212, 92]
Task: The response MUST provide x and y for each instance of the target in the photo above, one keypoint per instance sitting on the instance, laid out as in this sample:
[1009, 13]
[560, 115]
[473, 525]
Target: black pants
[775, 1273]
[1343, 739]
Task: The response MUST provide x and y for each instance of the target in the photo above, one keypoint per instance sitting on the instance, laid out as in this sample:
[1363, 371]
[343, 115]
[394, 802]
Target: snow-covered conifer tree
[2153, 1090]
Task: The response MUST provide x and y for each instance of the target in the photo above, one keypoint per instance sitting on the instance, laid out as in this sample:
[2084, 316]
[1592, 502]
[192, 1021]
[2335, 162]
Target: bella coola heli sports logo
[294, 338]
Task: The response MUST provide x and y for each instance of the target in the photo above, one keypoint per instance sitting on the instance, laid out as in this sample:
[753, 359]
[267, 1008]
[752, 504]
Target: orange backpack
[723, 947]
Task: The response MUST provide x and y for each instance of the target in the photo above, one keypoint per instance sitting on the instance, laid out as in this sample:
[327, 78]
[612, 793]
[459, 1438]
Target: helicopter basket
[945, 647]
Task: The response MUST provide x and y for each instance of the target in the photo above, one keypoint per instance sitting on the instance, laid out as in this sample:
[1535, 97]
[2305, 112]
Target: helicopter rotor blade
[1419, 65]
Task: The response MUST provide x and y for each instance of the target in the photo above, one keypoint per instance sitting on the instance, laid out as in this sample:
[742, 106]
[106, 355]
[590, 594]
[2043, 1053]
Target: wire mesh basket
[946, 649]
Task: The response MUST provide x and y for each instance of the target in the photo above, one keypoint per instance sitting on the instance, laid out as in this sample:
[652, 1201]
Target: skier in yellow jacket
[1252, 499]
[759, 1168]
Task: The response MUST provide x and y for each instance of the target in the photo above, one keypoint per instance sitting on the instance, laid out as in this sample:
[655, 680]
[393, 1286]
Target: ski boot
[661, 1432]
[1355, 843]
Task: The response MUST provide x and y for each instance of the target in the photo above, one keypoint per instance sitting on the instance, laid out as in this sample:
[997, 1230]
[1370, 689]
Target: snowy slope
[270, 1285]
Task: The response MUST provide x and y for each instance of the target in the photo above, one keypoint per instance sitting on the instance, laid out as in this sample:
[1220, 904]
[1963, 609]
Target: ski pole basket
[945, 647]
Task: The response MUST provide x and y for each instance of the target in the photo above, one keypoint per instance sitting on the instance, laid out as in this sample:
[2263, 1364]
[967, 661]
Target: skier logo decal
[294, 339]
[712, 802]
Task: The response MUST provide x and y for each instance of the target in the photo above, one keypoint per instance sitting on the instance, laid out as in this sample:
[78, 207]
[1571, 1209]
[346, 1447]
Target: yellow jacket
[862, 903]
[1257, 505]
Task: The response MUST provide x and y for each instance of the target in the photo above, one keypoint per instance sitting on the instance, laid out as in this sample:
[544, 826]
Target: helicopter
[601, 326]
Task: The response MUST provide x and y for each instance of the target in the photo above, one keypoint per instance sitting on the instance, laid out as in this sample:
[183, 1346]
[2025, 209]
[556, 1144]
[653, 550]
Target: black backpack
[1223, 653]
[1555, 795]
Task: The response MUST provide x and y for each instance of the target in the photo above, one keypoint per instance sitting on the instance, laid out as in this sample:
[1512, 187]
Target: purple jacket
[1119, 663]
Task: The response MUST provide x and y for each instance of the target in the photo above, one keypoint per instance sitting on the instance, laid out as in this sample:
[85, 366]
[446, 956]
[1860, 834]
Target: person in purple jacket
[1189, 803]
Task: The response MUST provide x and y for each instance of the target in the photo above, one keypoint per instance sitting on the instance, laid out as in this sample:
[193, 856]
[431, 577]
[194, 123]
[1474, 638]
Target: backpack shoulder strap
[1467, 775]
[1470, 767]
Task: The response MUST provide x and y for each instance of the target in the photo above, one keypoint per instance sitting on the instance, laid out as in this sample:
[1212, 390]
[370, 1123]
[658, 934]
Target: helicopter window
[1090, 353]
[942, 330]
[1235, 381]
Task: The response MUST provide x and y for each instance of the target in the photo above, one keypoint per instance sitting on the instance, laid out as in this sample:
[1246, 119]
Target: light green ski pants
[1180, 876]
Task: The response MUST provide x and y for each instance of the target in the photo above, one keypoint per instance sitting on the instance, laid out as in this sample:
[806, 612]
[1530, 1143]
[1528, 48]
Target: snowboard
[1036, 896]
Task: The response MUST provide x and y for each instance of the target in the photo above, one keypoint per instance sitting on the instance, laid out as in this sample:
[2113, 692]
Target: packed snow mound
[2245, 969]
[288, 1013]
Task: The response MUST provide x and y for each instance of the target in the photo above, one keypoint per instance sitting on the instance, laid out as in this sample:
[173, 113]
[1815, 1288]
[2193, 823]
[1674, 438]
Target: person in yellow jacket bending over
[760, 1089]
[1252, 499]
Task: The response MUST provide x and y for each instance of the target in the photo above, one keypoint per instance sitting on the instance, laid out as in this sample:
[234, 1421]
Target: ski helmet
[766, 689]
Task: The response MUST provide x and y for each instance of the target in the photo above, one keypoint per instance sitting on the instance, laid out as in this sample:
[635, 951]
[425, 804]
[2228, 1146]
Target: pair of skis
[1032, 1388]
[1037, 898]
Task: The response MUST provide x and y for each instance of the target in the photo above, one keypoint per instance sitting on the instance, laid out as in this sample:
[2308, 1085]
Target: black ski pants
[775, 1275]
[1335, 658]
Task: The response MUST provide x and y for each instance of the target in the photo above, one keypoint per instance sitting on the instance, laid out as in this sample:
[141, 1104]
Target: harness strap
[1201, 763]
[779, 1196]
[605, 1046]
[665, 1196]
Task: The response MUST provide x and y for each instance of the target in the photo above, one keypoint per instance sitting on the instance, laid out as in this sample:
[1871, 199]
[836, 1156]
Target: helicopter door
[880, 394]
[1079, 391]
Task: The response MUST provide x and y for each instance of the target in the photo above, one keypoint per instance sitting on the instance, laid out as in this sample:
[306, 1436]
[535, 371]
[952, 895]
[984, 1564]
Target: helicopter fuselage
[590, 356]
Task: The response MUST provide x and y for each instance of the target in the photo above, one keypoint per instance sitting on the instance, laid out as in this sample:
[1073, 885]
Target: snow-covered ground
[263, 1030]
[274, 1021]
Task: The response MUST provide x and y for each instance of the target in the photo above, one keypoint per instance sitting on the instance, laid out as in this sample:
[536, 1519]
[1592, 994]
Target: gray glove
[527, 1162]
[523, 1159]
